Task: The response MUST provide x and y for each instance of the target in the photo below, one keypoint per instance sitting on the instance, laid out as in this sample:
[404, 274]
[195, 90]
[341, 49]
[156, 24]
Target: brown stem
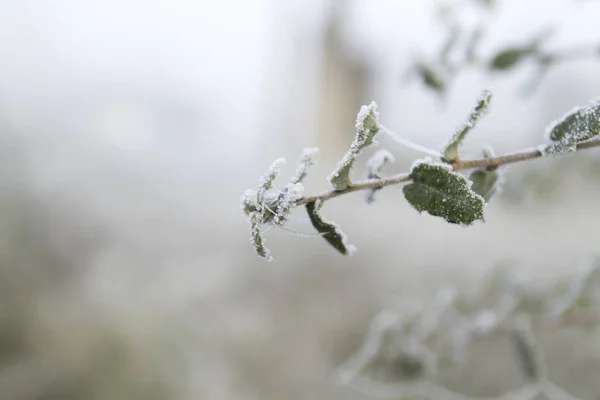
[457, 165]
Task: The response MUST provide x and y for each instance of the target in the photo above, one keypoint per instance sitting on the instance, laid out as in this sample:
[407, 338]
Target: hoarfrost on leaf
[266, 181]
[307, 159]
[265, 206]
[257, 239]
[285, 201]
[483, 103]
[331, 232]
[577, 126]
[367, 126]
[443, 193]
[374, 165]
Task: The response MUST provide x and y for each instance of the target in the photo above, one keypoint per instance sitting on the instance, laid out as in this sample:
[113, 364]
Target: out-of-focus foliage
[444, 335]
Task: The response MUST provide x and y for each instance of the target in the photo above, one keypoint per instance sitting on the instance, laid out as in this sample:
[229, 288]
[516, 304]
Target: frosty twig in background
[382, 368]
[434, 186]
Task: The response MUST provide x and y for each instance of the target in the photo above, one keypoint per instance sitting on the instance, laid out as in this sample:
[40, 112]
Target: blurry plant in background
[126, 275]
[460, 52]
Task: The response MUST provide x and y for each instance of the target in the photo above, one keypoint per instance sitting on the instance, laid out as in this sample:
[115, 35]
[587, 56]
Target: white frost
[428, 160]
[363, 113]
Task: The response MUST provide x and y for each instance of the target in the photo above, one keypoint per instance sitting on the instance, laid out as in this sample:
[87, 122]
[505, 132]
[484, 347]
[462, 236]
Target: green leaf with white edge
[367, 126]
[257, 239]
[577, 126]
[486, 181]
[374, 165]
[307, 159]
[331, 232]
[483, 104]
[443, 193]
[266, 181]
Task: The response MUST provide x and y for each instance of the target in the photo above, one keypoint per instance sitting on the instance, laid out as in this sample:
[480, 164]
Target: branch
[458, 165]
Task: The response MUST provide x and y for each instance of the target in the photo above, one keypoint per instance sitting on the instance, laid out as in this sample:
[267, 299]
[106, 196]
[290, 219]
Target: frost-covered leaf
[265, 206]
[578, 125]
[285, 201]
[249, 203]
[483, 103]
[266, 181]
[431, 78]
[486, 181]
[367, 126]
[374, 165]
[307, 159]
[443, 193]
[331, 232]
[257, 239]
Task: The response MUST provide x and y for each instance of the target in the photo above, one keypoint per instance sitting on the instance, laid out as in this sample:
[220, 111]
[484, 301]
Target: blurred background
[131, 128]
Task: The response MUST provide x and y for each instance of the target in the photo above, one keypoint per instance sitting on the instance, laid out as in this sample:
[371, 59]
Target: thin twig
[457, 165]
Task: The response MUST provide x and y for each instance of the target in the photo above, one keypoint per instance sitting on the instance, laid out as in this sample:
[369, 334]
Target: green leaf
[443, 193]
[374, 165]
[483, 104]
[431, 78]
[486, 181]
[509, 58]
[331, 232]
[367, 126]
[579, 125]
